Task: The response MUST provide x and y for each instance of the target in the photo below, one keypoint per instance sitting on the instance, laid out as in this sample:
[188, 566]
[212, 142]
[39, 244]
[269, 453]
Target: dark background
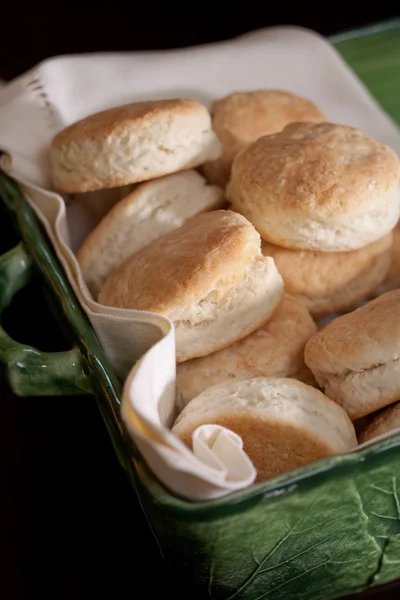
[69, 523]
[33, 31]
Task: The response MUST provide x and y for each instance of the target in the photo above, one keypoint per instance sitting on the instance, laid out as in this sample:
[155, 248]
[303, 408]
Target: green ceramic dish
[318, 533]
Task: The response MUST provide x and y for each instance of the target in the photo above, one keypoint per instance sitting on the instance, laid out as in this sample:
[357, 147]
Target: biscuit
[132, 143]
[274, 350]
[208, 277]
[243, 117]
[151, 210]
[329, 282]
[356, 358]
[392, 280]
[383, 422]
[284, 424]
[317, 186]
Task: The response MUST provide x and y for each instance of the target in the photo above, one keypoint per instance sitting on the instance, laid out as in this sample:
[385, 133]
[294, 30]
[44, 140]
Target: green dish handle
[29, 371]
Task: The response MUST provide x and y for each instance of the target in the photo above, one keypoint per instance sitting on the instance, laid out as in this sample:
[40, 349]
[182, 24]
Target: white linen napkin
[141, 345]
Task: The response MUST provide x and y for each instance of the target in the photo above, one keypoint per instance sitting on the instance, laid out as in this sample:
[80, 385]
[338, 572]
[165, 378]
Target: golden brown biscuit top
[244, 116]
[318, 168]
[208, 254]
[317, 273]
[363, 339]
[123, 118]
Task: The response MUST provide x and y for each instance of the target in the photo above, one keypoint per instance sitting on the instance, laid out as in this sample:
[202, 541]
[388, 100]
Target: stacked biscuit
[356, 361]
[308, 230]
[241, 118]
[392, 280]
[325, 200]
[152, 147]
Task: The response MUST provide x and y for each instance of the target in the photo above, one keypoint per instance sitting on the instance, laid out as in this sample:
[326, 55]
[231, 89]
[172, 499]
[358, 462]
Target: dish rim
[109, 388]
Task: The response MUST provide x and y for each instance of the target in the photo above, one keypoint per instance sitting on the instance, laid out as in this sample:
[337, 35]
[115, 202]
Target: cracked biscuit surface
[274, 350]
[208, 277]
[151, 210]
[132, 143]
[356, 358]
[317, 186]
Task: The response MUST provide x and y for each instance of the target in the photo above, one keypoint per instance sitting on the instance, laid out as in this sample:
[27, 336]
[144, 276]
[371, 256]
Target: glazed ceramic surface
[318, 533]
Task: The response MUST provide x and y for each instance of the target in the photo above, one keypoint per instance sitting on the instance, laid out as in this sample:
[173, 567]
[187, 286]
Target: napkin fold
[141, 345]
